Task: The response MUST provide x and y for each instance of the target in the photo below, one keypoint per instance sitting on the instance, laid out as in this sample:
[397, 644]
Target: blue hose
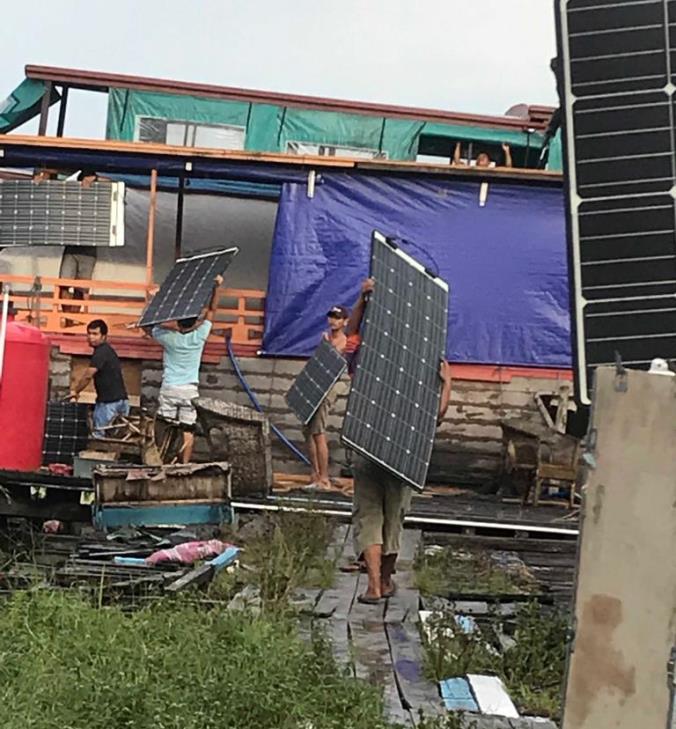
[254, 401]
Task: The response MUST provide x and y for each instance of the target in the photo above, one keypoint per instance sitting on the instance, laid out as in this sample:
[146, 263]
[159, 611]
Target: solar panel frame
[54, 212]
[188, 287]
[66, 431]
[618, 76]
[314, 382]
[393, 404]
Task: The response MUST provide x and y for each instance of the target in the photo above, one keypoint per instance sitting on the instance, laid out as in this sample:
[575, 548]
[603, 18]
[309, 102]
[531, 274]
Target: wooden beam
[179, 217]
[95, 80]
[44, 109]
[150, 240]
[300, 161]
[62, 112]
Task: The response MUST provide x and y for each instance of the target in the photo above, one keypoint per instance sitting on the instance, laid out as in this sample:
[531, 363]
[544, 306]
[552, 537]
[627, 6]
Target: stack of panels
[66, 431]
[393, 405]
[61, 213]
[315, 381]
[188, 287]
[619, 70]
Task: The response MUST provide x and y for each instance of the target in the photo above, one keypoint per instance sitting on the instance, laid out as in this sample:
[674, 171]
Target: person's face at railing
[95, 337]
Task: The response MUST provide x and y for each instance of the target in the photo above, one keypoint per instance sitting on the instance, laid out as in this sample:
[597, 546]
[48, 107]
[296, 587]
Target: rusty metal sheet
[625, 605]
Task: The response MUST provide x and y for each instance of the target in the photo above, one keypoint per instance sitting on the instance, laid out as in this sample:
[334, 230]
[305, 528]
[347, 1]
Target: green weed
[531, 667]
[288, 552]
[66, 664]
[470, 571]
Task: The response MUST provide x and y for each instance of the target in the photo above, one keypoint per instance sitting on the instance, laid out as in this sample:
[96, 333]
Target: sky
[479, 56]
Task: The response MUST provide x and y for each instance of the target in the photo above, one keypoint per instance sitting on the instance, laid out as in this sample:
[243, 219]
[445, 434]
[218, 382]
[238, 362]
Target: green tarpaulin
[555, 159]
[272, 128]
[23, 104]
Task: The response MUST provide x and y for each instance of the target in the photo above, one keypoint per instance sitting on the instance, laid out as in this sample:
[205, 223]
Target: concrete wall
[469, 443]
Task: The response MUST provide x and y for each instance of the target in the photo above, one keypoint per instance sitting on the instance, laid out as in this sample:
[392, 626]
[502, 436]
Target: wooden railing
[49, 304]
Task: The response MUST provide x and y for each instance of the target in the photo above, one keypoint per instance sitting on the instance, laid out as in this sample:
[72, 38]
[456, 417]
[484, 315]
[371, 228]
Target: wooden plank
[338, 633]
[194, 577]
[361, 612]
[371, 653]
[373, 663]
[405, 603]
[418, 693]
[410, 540]
[337, 600]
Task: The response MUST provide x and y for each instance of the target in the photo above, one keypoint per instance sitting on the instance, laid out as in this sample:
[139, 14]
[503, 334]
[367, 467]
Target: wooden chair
[557, 460]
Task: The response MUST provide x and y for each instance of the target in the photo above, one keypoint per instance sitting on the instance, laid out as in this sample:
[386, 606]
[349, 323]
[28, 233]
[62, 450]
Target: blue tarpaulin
[505, 262]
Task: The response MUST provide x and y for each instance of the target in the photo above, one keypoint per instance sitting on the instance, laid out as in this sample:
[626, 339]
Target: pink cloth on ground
[189, 552]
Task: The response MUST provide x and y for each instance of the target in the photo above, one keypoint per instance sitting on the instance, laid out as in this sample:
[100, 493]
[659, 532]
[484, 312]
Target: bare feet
[368, 598]
[388, 589]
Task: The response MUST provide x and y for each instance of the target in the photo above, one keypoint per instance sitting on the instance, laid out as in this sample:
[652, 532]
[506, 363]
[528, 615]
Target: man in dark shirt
[106, 371]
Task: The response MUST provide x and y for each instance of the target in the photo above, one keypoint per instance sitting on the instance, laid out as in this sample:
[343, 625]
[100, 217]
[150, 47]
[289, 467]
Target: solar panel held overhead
[394, 399]
[188, 288]
[618, 66]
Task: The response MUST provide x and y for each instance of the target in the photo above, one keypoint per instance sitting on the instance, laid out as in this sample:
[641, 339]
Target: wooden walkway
[380, 643]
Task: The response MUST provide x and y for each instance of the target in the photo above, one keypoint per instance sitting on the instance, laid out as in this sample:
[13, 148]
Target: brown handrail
[54, 312]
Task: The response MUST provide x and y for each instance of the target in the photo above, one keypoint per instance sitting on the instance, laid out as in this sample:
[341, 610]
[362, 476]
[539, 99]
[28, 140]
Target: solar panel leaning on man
[380, 500]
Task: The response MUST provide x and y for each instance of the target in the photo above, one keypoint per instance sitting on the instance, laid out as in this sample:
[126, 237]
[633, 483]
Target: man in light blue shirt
[183, 347]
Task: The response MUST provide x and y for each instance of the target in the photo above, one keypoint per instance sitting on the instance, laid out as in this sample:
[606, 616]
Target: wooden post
[62, 111]
[179, 217]
[44, 109]
[150, 241]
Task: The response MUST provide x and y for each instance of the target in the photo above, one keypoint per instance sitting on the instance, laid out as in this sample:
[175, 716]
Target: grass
[470, 571]
[287, 551]
[531, 667]
[67, 664]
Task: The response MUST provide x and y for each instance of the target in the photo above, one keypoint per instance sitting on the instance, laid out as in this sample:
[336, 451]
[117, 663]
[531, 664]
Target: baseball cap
[660, 366]
[338, 312]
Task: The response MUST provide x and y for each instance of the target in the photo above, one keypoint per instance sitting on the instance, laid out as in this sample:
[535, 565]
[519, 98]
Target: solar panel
[188, 287]
[52, 212]
[394, 400]
[617, 60]
[66, 431]
[315, 381]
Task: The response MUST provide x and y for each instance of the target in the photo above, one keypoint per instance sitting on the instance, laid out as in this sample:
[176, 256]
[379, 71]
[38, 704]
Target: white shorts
[175, 403]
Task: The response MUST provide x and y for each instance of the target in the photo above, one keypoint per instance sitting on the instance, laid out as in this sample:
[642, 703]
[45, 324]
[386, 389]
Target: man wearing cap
[315, 430]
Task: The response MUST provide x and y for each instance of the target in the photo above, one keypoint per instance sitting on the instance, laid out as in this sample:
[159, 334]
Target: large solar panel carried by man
[188, 287]
[61, 213]
[618, 66]
[394, 399]
[315, 381]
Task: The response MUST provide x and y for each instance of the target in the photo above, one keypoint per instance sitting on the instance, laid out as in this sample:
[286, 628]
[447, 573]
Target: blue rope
[254, 401]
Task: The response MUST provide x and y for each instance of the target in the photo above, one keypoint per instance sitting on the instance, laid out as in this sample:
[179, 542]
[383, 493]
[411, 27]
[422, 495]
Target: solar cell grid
[315, 381]
[66, 431]
[393, 403]
[188, 287]
[618, 63]
[52, 212]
